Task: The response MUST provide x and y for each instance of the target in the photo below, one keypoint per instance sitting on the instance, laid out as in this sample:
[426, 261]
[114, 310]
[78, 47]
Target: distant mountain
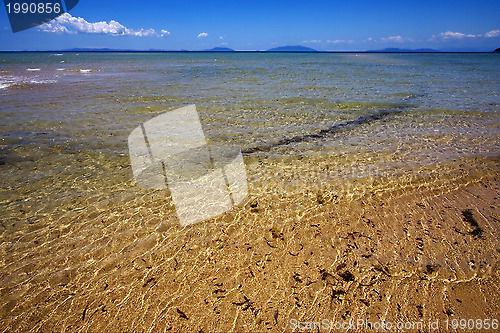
[105, 49]
[396, 50]
[497, 50]
[295, 48]
[220, 49]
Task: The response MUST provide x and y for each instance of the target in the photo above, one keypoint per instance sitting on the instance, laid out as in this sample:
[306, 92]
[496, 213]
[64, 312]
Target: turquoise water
[65, 118]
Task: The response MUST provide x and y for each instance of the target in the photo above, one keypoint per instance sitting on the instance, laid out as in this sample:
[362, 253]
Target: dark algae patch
[320, 198]
[469, 217]
[429, 269]
[326, 132]
[276, 233]
[346, 276]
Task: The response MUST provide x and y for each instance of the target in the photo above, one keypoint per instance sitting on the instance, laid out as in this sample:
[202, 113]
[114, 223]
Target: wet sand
[414, 247]
[373, 192]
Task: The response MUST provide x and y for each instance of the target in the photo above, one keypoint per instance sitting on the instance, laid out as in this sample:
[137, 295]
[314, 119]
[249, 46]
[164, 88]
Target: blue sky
[260, 25]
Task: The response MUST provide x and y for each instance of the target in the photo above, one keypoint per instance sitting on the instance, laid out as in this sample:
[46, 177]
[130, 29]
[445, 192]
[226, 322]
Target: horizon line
[106, 50]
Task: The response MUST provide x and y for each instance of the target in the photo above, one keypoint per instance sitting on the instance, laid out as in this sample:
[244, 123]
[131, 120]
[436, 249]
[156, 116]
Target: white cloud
[202, 35]
[164, 33]
[453, 35]
[450, 35]
[492, 33]
[73, 25]
[314, 41]
[397, 39]
[340, 41]
[142, 32]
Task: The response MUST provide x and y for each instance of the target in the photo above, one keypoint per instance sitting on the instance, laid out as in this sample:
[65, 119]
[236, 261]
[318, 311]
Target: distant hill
[220, 49]
[295, 48]
[396, 50]
[78, 49]
[497, 50]
[105, 49]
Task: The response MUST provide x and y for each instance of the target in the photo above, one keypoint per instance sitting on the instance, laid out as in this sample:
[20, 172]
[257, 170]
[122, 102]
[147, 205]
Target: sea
[65, 117]
[372, 191]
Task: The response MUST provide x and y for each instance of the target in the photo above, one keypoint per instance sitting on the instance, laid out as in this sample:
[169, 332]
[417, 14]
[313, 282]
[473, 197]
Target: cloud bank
[164, 33]
[66, 23]
[447, 36]
[455, 35]
[492, 33]
[397, 39]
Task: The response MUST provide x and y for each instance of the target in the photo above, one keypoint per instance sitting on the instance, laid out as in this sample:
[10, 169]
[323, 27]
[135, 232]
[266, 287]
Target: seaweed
[336, 294]
[297, 278]
[429, 269]
[346, 276]
[420, 310]
[319, 198]
[324, 274]
[382, 269]
[246, 304]
[347, 125]
[253, 207]
[182, 314]
[469, 217]
[276, 233]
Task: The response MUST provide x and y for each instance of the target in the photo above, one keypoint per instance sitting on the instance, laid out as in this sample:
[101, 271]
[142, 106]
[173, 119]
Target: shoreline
[400, 250]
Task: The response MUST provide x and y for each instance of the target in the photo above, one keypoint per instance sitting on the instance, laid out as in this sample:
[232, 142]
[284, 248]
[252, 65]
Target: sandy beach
[386, 250]
[373, 195]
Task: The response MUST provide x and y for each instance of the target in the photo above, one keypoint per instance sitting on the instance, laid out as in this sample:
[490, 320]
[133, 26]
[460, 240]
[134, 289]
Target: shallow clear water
[359, 166]
[65, 117]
